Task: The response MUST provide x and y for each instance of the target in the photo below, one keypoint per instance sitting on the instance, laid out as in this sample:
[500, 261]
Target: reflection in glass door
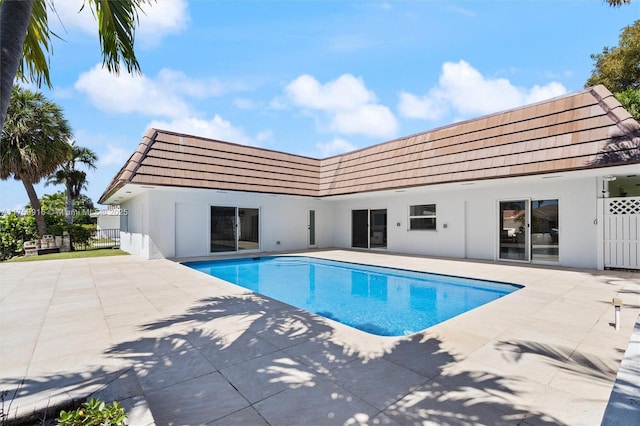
[513, 230]
[369, 228]
[247, 229]
[544, 231]
[529, 230]
[378, 235]
[234, 229]
[360, 228]
[223, 229]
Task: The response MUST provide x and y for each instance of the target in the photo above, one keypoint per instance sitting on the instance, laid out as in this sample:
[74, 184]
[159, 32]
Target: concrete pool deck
[193, 349]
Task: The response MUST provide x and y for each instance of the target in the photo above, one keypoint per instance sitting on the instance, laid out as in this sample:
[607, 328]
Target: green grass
[71, 255]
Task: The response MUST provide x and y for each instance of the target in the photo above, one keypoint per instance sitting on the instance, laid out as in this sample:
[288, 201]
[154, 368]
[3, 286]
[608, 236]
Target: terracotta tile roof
[581, 130]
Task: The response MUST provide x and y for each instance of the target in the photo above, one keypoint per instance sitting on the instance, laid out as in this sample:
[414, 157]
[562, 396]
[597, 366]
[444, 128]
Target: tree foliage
[618, 68]
[54, 207]
[54, 210]
[74, 179]
[630, 100]
[34, 143]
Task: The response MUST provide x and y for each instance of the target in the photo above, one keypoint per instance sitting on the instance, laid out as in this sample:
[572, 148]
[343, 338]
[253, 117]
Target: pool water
[377, 300]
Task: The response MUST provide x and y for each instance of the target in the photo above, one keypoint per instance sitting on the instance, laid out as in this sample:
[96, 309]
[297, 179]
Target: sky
[315, 78]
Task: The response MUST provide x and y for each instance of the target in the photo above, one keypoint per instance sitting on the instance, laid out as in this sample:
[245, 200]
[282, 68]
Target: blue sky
[317, 78]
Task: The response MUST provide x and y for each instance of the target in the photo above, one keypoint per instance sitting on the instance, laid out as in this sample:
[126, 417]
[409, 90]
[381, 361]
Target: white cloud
[464, 91]
[128, 93]
[158, 20]
[371, 120]
[541, 93]
[178, 82]
[425, 107]
[345, 93]
[163, 95]
[215, 128]
[346, 105]
[334, 147]
[115, 155]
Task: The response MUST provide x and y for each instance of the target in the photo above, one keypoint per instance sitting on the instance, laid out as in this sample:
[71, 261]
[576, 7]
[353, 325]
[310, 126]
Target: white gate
[622, 233]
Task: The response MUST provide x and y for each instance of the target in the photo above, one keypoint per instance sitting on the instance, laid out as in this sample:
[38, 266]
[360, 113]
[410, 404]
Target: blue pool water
[382, 301]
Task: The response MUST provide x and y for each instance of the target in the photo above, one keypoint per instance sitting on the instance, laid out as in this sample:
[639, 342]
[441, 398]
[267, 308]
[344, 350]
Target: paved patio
[196, 350]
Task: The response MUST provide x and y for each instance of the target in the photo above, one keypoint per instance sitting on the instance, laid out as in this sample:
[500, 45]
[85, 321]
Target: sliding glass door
[544, 231]
[529, 230]
[234, 229]
[360, 228]
[223, 229]
[369, 228]
[248, 229]
[378, 234]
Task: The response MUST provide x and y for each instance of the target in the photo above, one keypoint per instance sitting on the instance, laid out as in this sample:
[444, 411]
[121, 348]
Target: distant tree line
[618, 69]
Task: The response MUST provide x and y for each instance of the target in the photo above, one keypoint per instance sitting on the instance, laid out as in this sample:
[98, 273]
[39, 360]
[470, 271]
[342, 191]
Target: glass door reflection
[544, 231]
[514, 239]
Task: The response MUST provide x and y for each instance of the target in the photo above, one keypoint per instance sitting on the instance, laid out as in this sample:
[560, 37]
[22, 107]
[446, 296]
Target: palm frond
[37, 47]
[117, 22]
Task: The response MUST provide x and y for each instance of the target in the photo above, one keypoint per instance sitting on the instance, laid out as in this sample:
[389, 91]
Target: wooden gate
[622, 233]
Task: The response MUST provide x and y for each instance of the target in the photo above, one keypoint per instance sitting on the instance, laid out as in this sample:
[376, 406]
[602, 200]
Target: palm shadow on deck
[252, 360]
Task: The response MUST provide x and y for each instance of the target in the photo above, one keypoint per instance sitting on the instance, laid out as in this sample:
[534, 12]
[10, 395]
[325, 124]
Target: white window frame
[433, 216]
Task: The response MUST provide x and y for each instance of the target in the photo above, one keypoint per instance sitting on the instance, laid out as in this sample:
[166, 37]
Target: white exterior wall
[134, 226]
[179, 221]
[107, 221]
[176, 222]
[442, 242]
[471, 217]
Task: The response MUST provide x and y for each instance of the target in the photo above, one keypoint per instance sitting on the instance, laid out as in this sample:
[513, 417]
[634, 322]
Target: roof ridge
[152, 140]
[611, 106]
[117, 181]
[225, 142]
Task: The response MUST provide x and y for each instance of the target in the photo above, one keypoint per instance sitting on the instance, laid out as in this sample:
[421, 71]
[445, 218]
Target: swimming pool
[377, 300]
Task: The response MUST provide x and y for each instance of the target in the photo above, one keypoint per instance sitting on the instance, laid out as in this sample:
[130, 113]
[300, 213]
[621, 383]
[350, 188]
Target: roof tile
[565, 133]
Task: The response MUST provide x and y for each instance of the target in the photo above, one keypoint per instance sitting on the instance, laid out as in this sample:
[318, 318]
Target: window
[422, 216]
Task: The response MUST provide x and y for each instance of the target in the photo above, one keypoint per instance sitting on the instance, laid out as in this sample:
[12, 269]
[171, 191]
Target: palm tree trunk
[69, 205]
[14, 21]
[37, 209]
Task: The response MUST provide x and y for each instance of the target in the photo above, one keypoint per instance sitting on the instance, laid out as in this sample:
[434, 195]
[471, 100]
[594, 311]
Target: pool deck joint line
[181, 347]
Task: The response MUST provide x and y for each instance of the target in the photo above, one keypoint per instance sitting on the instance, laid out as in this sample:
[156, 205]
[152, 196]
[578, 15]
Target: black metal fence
[100, 238]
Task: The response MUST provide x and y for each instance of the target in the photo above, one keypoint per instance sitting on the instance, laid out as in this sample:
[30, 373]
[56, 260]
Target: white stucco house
[556, 182]
[108, 218]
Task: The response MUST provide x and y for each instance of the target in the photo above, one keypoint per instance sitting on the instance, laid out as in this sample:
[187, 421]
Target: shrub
[79, 234]
[95, 413]
[14, 231]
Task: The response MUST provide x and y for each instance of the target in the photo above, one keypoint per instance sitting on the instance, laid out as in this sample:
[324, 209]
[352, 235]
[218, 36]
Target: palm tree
[34, 143]
[73, 179]
[25, 40]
